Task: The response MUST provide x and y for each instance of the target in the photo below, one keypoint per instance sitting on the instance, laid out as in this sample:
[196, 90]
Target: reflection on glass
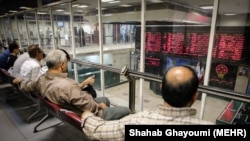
[45, 30]
[61, 27]
[32, 27]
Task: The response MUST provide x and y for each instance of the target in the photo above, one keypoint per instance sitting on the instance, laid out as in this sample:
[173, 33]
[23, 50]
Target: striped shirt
[99, 129]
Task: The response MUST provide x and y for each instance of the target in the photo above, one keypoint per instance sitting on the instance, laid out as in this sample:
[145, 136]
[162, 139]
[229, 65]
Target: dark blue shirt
[3, 58]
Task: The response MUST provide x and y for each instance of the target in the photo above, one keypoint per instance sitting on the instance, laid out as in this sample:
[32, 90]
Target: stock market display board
[228, 46]
[166, 46]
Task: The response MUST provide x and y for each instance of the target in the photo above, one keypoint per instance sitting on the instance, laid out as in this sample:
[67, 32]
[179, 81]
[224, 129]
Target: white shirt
[43, 70]
[18, 63]
[30, 69]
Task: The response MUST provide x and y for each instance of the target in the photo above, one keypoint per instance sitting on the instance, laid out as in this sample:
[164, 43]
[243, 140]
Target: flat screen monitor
[60, 24]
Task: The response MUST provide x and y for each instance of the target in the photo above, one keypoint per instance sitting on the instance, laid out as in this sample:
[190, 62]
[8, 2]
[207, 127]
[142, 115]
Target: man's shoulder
[31, 62]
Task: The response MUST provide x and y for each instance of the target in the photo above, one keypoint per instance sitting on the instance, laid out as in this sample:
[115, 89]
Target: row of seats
[52, 109]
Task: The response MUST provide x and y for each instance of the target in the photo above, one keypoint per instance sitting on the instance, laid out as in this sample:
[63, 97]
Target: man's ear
[63, 63]
[195, 97]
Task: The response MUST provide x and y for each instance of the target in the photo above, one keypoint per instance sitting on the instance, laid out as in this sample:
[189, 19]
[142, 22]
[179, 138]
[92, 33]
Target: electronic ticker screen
[153, 64]
[228, 46]
[153, 41]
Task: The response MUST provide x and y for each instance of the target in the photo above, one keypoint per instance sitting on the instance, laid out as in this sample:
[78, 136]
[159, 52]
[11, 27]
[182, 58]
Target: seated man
[64, 91]
[179, 92]
[86, 85]
[14, 51]
[31, 67]
[19, 61]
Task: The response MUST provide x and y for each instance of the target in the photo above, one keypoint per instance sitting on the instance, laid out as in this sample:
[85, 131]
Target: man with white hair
[57, 87]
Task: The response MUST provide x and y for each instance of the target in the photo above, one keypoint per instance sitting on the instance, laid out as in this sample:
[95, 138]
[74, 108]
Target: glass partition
[45, 28]
[2, 34]
[180, 36]
[8, 29]
[13, 28]
[85, 23]
[23, 35]
[230, 57]
[32, 27]
[61, 21]
[230, 65]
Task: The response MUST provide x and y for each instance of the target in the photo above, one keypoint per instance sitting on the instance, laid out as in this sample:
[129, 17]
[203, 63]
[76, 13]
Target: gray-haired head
[54, 58]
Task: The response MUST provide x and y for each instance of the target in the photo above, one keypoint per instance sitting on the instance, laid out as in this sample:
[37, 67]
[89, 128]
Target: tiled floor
[14, 113]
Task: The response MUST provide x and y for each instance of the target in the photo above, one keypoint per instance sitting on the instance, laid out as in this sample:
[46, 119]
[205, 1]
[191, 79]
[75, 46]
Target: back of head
[54, 58]
[13, 46]
[33, 50]
[179, 85]
[67, 54]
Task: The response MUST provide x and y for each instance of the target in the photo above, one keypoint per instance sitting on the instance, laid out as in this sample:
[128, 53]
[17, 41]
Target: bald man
[179, 92]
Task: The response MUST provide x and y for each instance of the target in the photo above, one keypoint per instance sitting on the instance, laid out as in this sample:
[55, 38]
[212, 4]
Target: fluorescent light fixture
[107, 0]
[75, 5]
[80, 5]
[41, 13]
[102, 8]
[156, 1]
[59, 10]
[125, 5]
[24, 7]
[230, 14]
[114, 2]
[107, 14]
[83, 6]
[13, 11]
[207, 7]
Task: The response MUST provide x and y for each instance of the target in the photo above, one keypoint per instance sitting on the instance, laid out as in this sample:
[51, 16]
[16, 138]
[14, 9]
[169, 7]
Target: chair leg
[41, 121]
[35, 113]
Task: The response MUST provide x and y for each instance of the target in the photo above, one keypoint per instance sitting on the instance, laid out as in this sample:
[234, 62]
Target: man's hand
[17, 80]
[102, 106]
[84, 113]
[90, 80]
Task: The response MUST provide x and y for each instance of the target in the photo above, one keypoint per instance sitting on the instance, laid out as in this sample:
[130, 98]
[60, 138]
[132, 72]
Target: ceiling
[236, 6]
[6, 5]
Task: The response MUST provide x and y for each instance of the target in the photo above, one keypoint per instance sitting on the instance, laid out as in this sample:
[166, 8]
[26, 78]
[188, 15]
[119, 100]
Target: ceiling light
[114, 2]
[41, 13]
[125, 5]
[107, 0]
[75, 5]
[24, 7]
[107, 14]
[102, 8]
[80, 5]
[59, 10]
[13, 11]
[83, 6]
[207, 7]
[230, 14]
[156, 1]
